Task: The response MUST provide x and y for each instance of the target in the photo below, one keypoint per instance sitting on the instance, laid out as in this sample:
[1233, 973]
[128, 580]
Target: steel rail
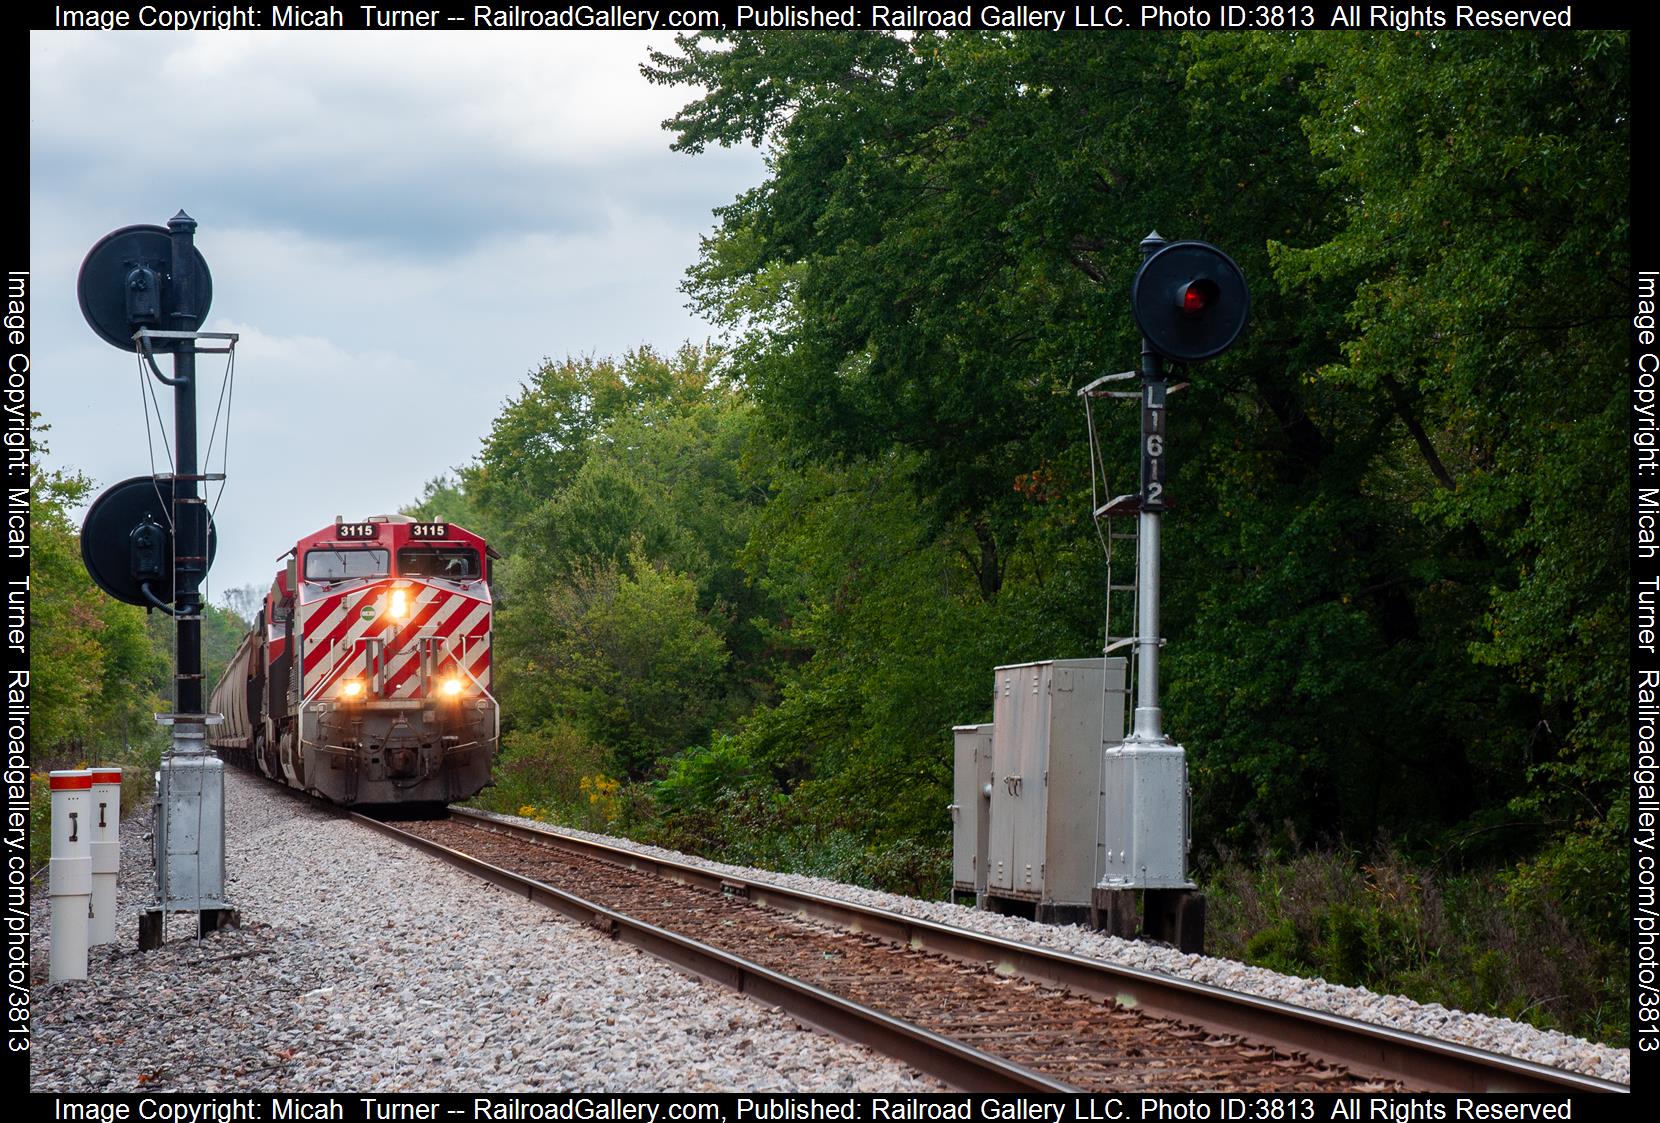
[1422, 1063]
[957, 1064]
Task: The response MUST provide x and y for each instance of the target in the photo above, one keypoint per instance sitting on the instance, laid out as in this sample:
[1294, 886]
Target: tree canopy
[1378, 493]
[1395, 580]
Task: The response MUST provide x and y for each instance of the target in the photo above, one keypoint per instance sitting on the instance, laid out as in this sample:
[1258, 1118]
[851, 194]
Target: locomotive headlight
[352, 689]
[450, 687]
[400, 605]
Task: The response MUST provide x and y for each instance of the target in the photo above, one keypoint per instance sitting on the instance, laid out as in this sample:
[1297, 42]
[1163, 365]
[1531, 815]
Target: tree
[1485, 187]
[91, 668]
[625, 655]
[243, 602]
[445, 499]
[937, 259]
[958, 218]
[543, 436]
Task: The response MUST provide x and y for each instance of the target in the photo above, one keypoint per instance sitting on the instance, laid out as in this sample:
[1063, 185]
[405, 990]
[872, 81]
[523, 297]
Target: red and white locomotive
[366, 676]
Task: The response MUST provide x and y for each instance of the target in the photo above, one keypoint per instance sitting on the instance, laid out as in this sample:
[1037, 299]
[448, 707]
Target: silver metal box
[971, 808]
[1144, 816]
[189, 835]
[1050, 723]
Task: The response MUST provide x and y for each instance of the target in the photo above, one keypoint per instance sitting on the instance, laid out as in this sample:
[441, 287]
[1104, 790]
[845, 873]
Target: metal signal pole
[190, 509]
[148, 541]
[191, 789]
[1149, 719]
[1190, 301]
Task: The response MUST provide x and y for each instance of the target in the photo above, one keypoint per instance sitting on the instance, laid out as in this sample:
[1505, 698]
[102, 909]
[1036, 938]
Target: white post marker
[105, 829]
[71, 871]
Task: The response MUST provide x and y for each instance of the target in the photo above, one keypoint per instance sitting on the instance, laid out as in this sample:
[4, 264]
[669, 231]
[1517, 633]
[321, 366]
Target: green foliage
[623, 612]
[540, 771]
[757, 824]
[1484, 244]
[1583, 875]
[544, 435]
[92, 669]
[702, 775]
[668, 486]
[1506, 944]
[622, 652]
[445, 499]
[1395, 581]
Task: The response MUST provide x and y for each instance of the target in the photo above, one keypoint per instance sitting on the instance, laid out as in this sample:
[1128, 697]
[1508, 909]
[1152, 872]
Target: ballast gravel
[1482, 1031]
[363, 966]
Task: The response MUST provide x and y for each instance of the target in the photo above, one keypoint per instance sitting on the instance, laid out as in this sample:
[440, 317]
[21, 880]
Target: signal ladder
[1117, 525]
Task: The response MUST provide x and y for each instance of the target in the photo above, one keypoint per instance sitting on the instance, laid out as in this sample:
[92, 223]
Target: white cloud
[350, 124]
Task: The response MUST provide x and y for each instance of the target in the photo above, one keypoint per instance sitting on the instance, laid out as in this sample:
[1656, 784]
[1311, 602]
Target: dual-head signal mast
[1190, 301]
[149, 541]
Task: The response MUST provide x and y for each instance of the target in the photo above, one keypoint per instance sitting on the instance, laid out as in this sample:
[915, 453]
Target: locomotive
[365, 678]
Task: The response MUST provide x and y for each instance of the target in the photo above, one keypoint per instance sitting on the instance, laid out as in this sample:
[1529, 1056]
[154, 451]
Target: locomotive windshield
[343, 565]
[457, 563]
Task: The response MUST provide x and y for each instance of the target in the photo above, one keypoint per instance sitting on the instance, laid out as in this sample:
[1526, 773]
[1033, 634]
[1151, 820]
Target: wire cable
[227, 399]
[145, 399]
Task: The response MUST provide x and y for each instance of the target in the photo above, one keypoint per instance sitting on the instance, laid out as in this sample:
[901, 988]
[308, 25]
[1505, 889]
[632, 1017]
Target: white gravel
[1496, 1035]
[364, 966]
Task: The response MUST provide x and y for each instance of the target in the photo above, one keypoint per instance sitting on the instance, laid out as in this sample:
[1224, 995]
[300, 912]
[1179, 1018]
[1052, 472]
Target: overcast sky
[400, 225]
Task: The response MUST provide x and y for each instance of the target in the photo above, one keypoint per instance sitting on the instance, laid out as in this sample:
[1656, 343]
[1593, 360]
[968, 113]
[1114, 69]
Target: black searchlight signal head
[127, 282]
[127, 540]
[1190, 301]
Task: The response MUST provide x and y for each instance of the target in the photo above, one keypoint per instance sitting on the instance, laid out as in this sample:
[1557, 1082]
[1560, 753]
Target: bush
[1502, 942]
[542, 770]
[602, 802]
[738, 816]
[700, 776]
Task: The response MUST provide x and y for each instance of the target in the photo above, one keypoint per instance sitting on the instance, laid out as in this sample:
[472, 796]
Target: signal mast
[149, 541]
[1190, 301]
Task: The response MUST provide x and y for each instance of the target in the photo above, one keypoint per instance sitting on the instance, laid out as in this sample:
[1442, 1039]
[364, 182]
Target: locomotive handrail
[495, 705]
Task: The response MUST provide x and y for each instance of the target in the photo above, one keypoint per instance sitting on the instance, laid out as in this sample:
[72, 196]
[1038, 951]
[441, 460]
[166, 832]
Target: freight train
[365, 678]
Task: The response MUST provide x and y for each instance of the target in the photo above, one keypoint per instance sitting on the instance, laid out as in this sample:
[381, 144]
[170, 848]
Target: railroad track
[976, 1011]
